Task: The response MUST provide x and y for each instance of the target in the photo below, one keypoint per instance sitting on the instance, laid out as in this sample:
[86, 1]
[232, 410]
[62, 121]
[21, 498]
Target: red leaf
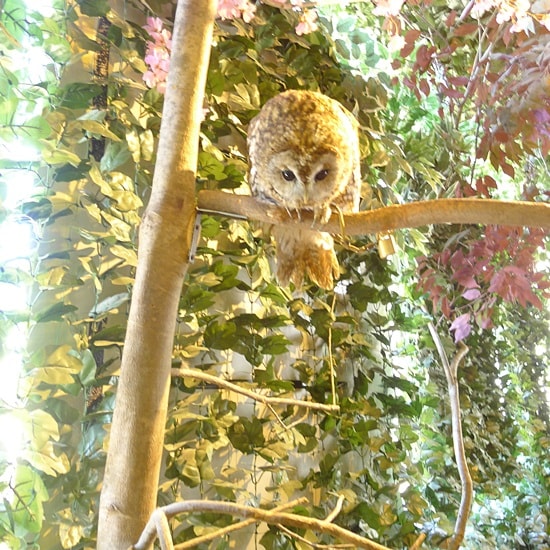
[424, 86]
[451, 92]
[466, 29]
[508, 169]
[446, 307]
[501, 136]
[449, 22]
[424, 57]
[459, 80]
[410, 42]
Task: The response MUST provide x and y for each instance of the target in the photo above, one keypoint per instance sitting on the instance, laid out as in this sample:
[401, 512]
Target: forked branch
[272, 517]
[451, 370]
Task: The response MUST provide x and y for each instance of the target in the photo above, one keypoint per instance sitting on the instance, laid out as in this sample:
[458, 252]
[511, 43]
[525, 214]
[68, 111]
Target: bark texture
[136, 441]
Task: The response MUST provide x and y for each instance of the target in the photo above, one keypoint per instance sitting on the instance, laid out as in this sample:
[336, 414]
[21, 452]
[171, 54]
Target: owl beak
[307, 194]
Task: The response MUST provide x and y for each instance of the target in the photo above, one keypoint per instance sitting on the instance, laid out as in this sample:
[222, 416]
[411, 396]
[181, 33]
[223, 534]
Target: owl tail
[305, 253]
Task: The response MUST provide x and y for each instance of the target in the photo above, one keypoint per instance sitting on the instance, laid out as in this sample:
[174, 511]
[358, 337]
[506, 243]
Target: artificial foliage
[428, 129]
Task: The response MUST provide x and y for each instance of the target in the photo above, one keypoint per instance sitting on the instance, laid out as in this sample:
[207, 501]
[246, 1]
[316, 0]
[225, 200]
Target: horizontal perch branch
[266, 400]
[398, 216]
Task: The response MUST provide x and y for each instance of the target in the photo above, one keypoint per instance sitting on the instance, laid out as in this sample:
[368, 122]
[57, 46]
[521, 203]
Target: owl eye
[321, 175]
[288, 175]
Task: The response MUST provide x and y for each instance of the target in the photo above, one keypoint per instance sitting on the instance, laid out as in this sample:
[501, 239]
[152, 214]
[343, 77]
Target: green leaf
[94, 8]
[111, 335]
[88, 373]
[97, 128]
[109, 304]
[79, 95]
[54, 312]
[27, 510]
[220, 335]
[274, 345]
[246, 435]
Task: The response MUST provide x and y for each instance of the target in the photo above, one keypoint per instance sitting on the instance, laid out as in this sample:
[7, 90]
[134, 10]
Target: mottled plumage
[304, 154]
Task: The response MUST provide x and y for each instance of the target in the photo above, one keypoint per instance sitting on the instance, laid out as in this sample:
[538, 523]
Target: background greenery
[389, 449]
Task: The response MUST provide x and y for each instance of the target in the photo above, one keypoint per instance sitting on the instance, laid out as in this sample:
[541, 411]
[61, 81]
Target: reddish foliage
[465, 280]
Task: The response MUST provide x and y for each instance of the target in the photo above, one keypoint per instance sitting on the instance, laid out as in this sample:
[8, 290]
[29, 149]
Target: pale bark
[136, 441]
[189, 374]
[272, 517]
[467, 493]
[399, 216]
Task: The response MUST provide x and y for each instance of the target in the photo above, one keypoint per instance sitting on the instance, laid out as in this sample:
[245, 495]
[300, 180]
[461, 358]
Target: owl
[303, 150]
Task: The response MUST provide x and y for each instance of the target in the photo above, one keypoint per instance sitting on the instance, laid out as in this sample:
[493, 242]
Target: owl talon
[321, 215]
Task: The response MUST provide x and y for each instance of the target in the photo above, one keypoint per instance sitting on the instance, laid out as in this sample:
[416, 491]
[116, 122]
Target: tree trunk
[130, 485]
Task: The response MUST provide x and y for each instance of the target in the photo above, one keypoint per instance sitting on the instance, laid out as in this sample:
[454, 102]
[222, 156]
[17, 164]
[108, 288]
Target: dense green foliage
[388, 450]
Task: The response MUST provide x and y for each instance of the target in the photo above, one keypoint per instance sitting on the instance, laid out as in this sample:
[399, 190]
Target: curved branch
[234, 527]
[264, 399]
[398, 216]
[451, 370]
[257, 514]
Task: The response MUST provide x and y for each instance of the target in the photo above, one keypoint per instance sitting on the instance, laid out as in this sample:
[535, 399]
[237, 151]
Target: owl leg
[305, 253]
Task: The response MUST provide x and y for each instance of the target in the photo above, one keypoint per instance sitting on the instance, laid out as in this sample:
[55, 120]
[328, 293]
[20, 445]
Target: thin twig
[451, 370]
[266, 400]
[331, 356]
[310, 543]
[337, 509]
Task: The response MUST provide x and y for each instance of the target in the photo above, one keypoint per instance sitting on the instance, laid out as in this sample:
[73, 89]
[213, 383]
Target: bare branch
[312, 544]
[337, 509]
[266, 400]
[451, 370]
[257, 514]
[398, 216]
[234, 527]
[418, 542]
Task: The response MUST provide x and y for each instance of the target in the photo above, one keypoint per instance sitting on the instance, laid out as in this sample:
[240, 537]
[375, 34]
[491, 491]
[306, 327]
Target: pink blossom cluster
[245, 9]
[235, 9]
[387, 8]
[465, 281]
[521, 13]
[157, 55]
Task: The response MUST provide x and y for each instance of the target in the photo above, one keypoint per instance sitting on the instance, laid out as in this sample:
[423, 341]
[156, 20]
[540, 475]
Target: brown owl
[304, 154]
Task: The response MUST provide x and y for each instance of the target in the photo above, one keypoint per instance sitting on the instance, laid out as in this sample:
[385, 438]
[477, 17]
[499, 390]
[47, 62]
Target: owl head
[303, 149]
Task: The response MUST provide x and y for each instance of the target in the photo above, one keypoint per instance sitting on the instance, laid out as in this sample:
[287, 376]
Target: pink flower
[157, 55]
[233, 9]
[480, 7]
[154, 24]
[461, 327]
[388, 7]
[396, 43]
[248, 12]
[308, 23]
[523, 23]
